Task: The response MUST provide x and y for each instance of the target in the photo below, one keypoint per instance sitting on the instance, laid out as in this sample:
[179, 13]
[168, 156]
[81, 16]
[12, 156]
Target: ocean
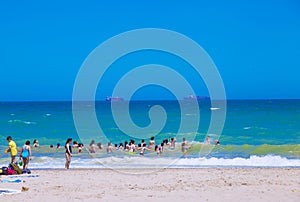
[257, 133]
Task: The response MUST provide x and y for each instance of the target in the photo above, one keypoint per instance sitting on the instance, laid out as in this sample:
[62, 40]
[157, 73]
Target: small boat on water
[196, 97]
[113, 99]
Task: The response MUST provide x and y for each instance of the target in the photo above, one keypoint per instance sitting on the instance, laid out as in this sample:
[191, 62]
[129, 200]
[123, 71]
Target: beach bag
[10, 171]
[4, 171]
[16, 168]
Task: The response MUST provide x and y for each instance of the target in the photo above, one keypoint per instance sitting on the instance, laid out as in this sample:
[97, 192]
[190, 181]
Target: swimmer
[109, 148]
[184, 146]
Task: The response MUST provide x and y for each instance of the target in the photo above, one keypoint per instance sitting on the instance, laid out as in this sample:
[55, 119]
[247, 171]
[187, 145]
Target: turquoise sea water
[256, 133]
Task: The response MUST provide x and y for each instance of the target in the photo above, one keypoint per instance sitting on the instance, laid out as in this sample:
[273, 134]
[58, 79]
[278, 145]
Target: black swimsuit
[70, 148]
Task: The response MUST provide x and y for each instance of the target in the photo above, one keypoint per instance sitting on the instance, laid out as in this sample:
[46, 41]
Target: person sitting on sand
[109, 148]
[184, 146]
[217, 142]
[12, 148]
[35, 143]
[58, 146]
[25, 154]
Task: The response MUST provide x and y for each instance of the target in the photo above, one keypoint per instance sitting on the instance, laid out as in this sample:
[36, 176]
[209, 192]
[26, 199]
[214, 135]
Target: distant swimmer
[109, 148]
[151, 143]
[143, 148]
[92, 147]
[173, 141]
[184, 146]
[35, 143]
[207, 141]
[217, 142]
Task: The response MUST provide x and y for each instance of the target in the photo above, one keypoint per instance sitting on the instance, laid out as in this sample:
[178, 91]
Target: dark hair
[68, 140]
[116, 145]
[9, 138]
[152, 138]
[75, 142]
[27, 142]
[34, 141]
[143, 140]
[121, 144]
[155, 147]
[139, 145]
[162, 144]
[51, 145]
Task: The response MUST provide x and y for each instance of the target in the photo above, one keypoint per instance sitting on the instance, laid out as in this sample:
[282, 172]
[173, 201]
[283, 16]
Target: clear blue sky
[255, 44]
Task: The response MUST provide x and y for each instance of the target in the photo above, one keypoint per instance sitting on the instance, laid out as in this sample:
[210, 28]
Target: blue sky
[255, 44]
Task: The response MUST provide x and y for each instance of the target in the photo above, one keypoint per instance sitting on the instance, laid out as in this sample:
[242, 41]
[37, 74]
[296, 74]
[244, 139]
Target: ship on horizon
[113, 99]
[196, 97]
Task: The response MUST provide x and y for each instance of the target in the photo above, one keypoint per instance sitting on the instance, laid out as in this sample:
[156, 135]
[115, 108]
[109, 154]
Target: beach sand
[201, 184]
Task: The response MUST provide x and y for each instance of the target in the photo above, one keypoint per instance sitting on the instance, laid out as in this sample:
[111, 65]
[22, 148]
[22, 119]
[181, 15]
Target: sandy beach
[205, 184]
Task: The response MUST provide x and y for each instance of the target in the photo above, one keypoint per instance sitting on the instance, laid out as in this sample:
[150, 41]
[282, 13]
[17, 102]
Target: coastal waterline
[253, 129]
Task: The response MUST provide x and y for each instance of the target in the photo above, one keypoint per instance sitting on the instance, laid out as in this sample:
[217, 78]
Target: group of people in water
[128, 146]
[132, 147]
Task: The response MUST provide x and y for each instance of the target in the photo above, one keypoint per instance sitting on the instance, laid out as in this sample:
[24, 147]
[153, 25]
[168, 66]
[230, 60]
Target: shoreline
[169, 184]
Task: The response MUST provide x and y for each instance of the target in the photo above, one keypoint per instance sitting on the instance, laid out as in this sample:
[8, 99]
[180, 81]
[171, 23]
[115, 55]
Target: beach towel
[9, 191]
[11, 181]
[24, 176]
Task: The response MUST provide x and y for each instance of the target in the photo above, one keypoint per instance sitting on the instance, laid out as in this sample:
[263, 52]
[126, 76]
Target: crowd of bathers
[133, 147]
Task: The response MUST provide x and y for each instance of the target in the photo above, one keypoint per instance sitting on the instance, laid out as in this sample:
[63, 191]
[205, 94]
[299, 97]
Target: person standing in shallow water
[25, 154]
[68, 153]
[12, 148]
